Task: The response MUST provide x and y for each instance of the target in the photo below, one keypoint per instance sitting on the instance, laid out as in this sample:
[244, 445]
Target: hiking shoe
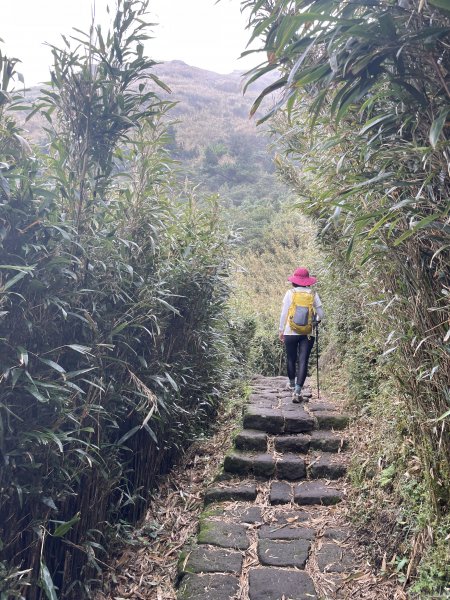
[307, 394]
[296, 397]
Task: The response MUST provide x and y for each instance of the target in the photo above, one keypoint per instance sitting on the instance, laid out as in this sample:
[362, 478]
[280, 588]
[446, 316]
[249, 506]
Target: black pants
[298, 349]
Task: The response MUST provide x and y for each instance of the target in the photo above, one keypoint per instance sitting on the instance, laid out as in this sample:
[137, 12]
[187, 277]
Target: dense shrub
[113, 332]
[364, 141]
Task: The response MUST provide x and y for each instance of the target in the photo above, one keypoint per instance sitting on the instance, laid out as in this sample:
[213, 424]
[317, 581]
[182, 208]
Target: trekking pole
[317, 359]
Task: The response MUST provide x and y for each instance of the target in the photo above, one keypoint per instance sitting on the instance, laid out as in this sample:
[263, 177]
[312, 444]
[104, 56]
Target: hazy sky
[199, 32]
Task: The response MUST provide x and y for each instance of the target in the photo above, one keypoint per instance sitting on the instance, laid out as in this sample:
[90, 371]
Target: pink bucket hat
[301, 277]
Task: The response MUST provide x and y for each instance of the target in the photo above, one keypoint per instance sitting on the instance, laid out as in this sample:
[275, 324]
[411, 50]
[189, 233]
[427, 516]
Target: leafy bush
[113, 331]
[268, 353]
[364, 141]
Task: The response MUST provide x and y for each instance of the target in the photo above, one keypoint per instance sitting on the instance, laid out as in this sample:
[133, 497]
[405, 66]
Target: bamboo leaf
[37, 394]
[52, 364]
[375, 121]
[127, 436]
[172, 381]
[46, 582]
[268, 90]
[79, 348]
[12, 281]
[442, 417]
[438, 125]
[66, 526]
[23, 355]
[420, 225]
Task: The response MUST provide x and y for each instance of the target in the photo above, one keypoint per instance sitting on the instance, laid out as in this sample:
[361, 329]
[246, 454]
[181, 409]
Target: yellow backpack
[301, 313]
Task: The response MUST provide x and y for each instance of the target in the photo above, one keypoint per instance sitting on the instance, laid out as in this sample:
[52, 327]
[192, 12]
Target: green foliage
[268, 353]
[435, 567]
[113, 329]
[363, 139]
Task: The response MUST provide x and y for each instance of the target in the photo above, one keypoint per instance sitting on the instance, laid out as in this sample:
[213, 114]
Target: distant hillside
[209, 103]
[218, 146]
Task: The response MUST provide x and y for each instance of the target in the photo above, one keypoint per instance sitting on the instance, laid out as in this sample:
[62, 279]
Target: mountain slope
[217, 145]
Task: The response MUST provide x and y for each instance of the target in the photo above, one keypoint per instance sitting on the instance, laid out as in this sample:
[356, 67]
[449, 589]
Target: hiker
[301, 309]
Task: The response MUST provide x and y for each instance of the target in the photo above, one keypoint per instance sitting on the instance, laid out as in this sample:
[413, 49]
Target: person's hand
[281, 336]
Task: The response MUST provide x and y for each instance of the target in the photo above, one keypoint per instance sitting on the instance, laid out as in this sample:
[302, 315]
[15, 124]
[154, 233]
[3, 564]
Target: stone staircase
[268, 531]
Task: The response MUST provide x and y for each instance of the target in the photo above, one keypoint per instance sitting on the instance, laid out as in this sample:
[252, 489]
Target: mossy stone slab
[298, 421]
[334, 558]
[241, 463]
[327, 441]
[292, 443]
[290, 517]
[336, 534]
[280, 493]
[327, 466]
[251, 515]
[238, 463]
[321, 406]
[263, 465]
[251, 439]
[264, 419]
[331, 420]
[291, 467]
[275, 532]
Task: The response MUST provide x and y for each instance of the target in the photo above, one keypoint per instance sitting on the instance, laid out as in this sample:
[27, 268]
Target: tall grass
[113, 335]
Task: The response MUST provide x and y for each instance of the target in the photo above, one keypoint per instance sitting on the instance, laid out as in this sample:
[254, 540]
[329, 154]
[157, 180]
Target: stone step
[297, 449]
[243, 463]
[327, 419]
[215, 586]
[292, 467]
[270, 583]
[327, 441]
[292, 443]
[327, 466]
[316, 492]
[324, 440]
[281, 493]
[280, 553]
[306, 493]
[251, 439]
[223, 534]
[292, 419]
[289, 467]
[235, 513]
[200, 559]
[267, 419]
[231, 493]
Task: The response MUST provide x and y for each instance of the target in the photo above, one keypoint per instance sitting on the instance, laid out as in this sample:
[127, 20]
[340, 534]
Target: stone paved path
[270, 530]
